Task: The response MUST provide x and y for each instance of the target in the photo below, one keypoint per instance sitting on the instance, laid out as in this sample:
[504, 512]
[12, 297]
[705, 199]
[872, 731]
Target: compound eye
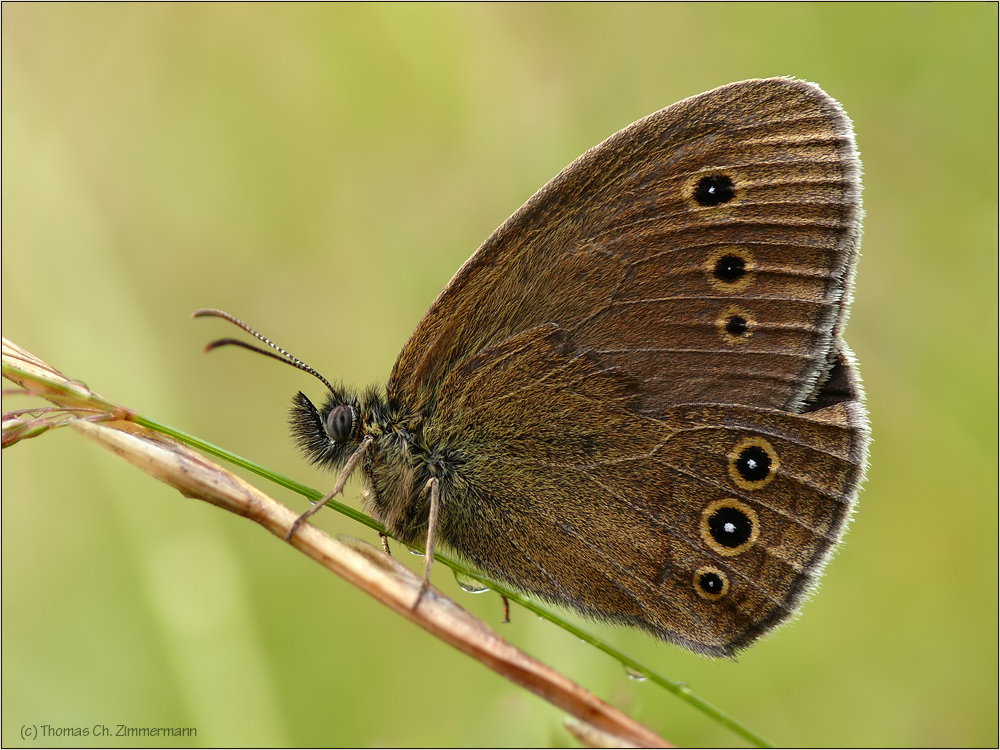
[340, 423]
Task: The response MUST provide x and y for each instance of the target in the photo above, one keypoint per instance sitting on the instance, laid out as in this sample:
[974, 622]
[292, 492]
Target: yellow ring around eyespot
[705, 594]
[734, 455]
[735, 338]
[706, 531]
[720, 210]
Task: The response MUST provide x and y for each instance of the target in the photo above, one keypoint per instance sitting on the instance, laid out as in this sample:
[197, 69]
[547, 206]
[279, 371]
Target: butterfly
[634, 399]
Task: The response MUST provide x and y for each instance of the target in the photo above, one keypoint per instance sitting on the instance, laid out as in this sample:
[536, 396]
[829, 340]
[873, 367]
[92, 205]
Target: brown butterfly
[634, 399]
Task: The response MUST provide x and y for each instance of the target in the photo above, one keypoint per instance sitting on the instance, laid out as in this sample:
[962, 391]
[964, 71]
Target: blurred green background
[321, 171]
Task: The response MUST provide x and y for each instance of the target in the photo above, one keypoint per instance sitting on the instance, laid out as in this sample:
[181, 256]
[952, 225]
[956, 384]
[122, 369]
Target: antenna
[285, 357]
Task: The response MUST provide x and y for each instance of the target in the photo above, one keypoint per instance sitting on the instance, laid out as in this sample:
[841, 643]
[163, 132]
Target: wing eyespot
[736, 326]
[714, 190]
[753, 463]
[729, 526]
[711, 583]
[730, 269]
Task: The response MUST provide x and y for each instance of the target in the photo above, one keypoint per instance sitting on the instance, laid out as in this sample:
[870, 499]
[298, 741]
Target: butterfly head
[329, 434]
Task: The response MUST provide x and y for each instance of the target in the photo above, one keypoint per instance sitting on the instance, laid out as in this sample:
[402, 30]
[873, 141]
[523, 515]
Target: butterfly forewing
[706, 249]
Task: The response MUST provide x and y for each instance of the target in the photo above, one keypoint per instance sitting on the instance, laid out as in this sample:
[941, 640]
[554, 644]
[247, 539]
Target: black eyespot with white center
[711, 583]
[729, 526]
[714, 189]
[753, 463]
[340, 423]
[730, 268]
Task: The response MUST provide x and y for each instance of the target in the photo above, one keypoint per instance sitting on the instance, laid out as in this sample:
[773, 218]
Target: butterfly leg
[385, 543]
[432, 518]
[338, 487]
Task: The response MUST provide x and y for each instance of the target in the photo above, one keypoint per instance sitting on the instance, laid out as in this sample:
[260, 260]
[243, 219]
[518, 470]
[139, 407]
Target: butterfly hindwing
[564, 491]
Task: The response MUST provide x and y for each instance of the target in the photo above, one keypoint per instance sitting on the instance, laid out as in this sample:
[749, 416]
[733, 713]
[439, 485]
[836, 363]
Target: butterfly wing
[707, 249]
[638, 380]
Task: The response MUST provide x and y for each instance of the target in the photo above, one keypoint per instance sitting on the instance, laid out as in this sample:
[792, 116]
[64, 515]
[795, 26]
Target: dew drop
[414, 551]
[469, 584]
[634, 674]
